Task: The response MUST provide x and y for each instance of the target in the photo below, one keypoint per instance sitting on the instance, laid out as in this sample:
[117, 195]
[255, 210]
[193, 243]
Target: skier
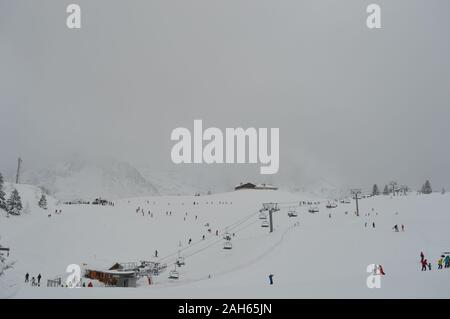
[156, 253]
[27, 277]
[39, 280]
[373, 225]
[365, 224]
[403, 227]
[447, 261]
[217, 233]
[440, 262]
[395, 228]
[424, 263]
[203, 238]
[422, 256]
[271, 279]
[190, 240]
[90, 285]
[33, 281]
[380, 269]
[429, 266]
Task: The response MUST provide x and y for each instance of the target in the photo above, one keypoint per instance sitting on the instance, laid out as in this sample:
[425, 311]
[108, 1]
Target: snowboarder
[395, 228]
[90, 285]
[27, 277]
[424, 263]
[271, 279]
[39, 280]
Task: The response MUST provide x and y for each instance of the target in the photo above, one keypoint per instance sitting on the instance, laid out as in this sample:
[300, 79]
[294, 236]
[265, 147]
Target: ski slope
[311, 256]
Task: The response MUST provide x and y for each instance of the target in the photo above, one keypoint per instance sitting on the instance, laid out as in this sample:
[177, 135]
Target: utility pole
[19, 163]
[356, 193]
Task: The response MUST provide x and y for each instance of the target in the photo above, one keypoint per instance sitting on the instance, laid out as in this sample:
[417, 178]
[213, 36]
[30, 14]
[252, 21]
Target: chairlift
[292, 213]
[180, 261]
[313, 209]
[265, 223]
[173, 274]
[227, 236]
[227, 245]
[262, 215]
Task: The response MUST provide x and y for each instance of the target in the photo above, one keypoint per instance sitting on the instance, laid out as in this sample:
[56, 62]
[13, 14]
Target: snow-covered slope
[312, 255]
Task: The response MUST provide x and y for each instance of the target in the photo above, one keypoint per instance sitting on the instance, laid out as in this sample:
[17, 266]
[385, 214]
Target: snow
[320, 257]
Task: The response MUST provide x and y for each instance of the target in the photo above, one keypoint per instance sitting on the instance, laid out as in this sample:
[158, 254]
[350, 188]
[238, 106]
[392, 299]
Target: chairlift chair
[292, 213]
[227, 245]
[262, 215]
[173, 274]
[265, 223]
[180, 261]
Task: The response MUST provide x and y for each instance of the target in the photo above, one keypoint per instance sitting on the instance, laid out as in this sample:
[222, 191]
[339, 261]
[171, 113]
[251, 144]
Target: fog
[354, 106]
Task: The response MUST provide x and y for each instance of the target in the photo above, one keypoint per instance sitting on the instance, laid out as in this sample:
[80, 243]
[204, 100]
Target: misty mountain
[80, 179]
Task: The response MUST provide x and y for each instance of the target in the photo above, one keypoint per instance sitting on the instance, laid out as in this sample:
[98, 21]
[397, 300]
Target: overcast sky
[354, 106]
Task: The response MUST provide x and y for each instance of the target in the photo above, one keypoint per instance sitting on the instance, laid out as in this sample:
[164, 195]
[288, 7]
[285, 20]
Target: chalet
[245, 186]
[118, 275]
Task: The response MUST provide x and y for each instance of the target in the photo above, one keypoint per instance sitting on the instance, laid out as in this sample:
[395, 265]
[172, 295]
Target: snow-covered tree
[2, 193]
[14, 203]
[386, 190]
[426, 188]
[43, 202]
[375, 190]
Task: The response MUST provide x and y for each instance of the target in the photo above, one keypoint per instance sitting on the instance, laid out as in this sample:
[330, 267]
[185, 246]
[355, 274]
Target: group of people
[35, 281]
[396, 229]
[443, 262]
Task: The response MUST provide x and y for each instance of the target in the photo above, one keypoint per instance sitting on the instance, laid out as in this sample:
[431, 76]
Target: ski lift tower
[271, 208]
[356, 192]
[393, 185]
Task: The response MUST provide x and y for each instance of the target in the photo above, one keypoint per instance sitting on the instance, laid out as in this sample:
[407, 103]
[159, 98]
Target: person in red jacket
[424, 263]
[90, 284]
[380, 268]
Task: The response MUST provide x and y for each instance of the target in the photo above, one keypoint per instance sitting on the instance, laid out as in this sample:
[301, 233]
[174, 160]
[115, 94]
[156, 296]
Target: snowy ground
[321, 257]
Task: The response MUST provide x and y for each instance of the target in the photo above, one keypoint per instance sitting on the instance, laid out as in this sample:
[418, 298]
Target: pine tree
[426, 188]
[375, 190]
[14, 203]
[43, 202]
[2, 193]
[386, 190]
